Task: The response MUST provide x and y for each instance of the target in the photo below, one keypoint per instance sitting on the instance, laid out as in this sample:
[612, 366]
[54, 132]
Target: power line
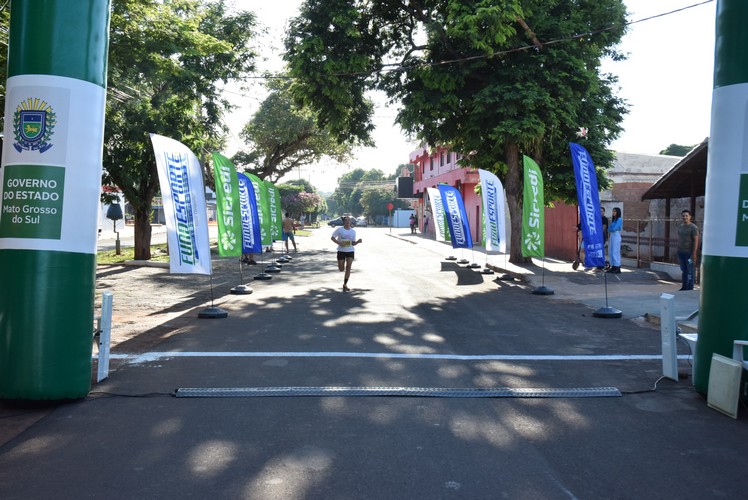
[366, 184]
[387, 68]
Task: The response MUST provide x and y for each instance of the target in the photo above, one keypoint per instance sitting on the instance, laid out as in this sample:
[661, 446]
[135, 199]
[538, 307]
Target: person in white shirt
[345, 238]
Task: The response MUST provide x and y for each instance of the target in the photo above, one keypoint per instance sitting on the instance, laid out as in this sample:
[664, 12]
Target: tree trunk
[513, 187]
[143, 232]
[148, 189]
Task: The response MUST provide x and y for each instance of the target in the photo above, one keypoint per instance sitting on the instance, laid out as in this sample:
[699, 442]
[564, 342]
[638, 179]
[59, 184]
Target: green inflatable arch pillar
[50, 183]
[724, 290]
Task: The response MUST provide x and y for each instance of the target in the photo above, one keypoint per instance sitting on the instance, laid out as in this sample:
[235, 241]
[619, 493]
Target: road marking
[155, 356]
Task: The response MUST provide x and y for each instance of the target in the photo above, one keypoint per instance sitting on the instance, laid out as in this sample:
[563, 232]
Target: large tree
[282, 136]
[299, 197]
[351, 185]
[374, 201]
[410, 167]
[168, 62]
[491, 79]
[303, 185]
[303, 203]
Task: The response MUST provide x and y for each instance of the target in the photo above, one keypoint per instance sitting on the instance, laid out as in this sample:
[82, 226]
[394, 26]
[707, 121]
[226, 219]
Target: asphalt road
[412, 320]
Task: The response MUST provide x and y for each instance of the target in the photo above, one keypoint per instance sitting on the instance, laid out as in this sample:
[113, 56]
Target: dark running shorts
[345, 255]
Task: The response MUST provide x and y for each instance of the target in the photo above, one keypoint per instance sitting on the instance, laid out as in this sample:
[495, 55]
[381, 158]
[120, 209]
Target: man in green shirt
[688, 246]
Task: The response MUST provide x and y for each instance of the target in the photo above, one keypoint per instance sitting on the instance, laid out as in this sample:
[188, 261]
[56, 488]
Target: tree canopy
[677, 150]
[282, 136]
[409, 166]
[168, 61]
[351, 185]
[491, 80]
[300, 197]
[303, 203]
[364, 192]
[374, 201]
[302, 185]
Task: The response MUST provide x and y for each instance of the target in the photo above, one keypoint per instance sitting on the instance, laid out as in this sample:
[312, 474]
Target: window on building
[441, 159]
[431, 163]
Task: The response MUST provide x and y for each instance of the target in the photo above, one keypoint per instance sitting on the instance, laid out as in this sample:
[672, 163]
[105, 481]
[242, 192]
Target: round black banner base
[474, 265]
[506, 277]
[212, 313]
[487, 270]
[263, 277]
[542, 290]
[241, 290]
[451, 257]
[607, 312]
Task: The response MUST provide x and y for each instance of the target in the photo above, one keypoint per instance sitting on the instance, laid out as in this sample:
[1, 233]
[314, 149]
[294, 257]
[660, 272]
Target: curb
[146, 263]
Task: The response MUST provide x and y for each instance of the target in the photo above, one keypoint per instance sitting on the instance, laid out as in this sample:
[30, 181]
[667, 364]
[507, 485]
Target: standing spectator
[412, 224]
[605, 223]
[614, 243]
[345, 238]
[288, 231]
[425, 223]
[688, 246]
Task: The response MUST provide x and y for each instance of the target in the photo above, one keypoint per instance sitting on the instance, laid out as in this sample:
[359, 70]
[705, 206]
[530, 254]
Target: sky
[668, 76]
[666, 80]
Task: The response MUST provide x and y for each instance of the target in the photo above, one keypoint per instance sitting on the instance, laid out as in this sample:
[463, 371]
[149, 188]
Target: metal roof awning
[686, 179]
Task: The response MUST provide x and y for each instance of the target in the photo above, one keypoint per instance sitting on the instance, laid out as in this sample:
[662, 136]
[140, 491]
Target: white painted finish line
[156, 356]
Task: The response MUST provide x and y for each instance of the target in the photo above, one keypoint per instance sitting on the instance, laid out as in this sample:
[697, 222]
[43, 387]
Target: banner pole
[212, 312]
[274, 267]
[241, 288]
[506, 276]
[211, 290]
[486, 269]
[607, 312]
[263, 275]
[542, 289]
[473, 265]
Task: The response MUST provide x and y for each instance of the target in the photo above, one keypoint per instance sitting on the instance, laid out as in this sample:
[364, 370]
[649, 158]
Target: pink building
[434, 166]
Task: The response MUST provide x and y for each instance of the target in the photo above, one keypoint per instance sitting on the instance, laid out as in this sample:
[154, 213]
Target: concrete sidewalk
[635, 292]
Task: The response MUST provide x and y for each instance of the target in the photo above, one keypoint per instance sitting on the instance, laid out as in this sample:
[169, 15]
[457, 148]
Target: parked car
[338, 221]
[361, 221]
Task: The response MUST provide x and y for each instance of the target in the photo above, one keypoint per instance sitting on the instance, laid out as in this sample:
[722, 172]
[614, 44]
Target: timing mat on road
[432, 392]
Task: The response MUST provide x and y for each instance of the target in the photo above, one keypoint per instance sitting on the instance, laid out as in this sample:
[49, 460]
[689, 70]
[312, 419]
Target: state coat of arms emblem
[33, 125]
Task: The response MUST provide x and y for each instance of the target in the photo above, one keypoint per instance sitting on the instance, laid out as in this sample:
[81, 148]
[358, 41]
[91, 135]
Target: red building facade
[438, 165]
